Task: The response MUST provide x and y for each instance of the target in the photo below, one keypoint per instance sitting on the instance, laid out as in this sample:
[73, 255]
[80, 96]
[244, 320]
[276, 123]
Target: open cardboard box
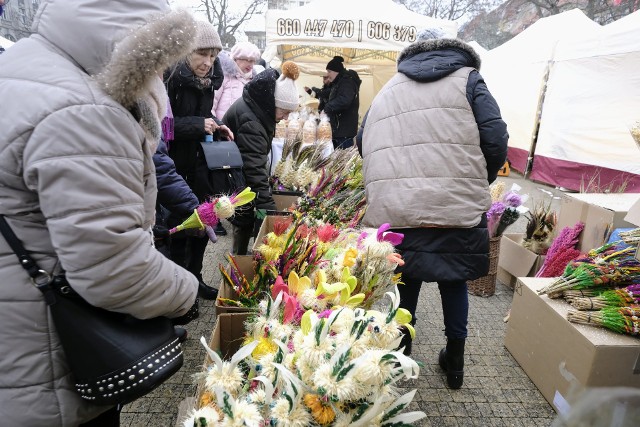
[226, 338]
[245, 263]
[633, 216]
[600, 213]
[516, 260]
[560, 357]
[266, 228]
[285, 201]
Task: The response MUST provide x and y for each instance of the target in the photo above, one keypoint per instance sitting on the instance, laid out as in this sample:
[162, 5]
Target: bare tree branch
[226, 19]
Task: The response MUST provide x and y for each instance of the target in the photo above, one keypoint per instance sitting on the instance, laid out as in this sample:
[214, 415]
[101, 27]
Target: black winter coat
[452, 254]
[191, 104]
[343, 104]
[322, 95]
[252, 120]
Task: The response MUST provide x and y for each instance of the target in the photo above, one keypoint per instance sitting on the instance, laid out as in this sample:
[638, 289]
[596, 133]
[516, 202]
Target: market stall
[515, 73]
[591, 102]
[313, 325]
[569, 92]
[313, 34]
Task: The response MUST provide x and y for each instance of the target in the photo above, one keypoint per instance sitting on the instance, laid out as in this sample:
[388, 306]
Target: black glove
[161, 236]
[190, 315]
[160, 232]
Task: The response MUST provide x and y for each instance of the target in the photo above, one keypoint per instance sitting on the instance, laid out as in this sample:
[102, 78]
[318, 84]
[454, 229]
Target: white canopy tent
[368, 34]
[593, 98]
[515, 74]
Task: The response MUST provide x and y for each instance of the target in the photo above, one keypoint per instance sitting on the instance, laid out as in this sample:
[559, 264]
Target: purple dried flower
[496, 210]
[512, 199]
[493, 217]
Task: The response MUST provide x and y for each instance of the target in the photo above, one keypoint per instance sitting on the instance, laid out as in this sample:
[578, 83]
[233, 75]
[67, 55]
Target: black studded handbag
[115, 358]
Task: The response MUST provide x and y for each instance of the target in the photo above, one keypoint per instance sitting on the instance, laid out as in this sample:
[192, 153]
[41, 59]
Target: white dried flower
[286, 417]
[206, 416]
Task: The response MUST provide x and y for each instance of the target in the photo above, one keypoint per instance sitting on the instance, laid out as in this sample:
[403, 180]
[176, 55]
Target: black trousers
[454, 298]
[188, 252]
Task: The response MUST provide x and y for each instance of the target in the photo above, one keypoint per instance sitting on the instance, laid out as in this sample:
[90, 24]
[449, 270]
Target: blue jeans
[342, 143]
[455, 303]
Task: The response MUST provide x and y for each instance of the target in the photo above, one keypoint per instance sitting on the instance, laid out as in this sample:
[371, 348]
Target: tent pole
[536, 127]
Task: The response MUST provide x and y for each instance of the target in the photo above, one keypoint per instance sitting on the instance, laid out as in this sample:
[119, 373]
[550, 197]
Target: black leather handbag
[221, 154]
[114, 357]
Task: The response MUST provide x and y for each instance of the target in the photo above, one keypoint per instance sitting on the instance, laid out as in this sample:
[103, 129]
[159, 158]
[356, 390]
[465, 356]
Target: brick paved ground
[496, 390]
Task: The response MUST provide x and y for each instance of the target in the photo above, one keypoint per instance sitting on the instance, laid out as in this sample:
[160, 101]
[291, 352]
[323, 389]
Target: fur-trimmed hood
[430, 60]
[87, 30]
[150, 49]
[131, 75]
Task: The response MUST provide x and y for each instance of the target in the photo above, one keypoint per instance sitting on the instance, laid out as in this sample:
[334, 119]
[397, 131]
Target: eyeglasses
[249, 60]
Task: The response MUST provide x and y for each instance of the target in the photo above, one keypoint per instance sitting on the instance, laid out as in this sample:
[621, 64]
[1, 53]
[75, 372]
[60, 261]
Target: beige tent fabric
[368, 34]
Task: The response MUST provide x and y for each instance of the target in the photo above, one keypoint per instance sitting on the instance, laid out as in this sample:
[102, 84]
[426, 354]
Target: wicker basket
[486, 286]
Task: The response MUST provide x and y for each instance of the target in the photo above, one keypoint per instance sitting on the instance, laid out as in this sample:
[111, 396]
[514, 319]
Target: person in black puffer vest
[433, 141]
[268, 98]
[343, 103]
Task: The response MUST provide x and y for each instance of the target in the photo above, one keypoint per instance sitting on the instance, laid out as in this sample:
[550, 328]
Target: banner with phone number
[371, 28]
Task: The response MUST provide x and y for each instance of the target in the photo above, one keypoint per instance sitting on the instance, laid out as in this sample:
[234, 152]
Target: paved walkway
[496, 390]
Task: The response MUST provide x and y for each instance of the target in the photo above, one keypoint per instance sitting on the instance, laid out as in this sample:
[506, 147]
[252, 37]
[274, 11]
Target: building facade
[285, 4]
[15, 22]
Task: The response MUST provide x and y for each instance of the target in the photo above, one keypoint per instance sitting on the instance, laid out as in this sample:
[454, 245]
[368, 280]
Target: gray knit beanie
[207, 37]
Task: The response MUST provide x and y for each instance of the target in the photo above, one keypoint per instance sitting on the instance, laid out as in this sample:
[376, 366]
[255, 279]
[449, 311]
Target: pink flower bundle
[562, 251]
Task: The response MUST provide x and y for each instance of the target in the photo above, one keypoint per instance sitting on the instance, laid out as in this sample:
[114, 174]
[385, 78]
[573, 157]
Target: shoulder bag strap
[40, 278]
[25, 259]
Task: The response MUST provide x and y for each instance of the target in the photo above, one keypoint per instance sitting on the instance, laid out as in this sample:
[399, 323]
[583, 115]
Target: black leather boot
[207, 292]
[451, 360]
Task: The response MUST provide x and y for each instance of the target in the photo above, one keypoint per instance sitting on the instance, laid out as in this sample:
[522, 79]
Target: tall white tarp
[515, 74]
[592, 99]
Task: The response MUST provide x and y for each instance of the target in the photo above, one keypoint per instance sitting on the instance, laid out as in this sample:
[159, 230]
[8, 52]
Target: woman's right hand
[210, 126]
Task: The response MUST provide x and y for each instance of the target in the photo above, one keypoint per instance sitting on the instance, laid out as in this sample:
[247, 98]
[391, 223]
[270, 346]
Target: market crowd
[105, 111]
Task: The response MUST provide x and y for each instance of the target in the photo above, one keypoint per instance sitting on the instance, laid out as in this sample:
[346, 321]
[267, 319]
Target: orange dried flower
[323, 414]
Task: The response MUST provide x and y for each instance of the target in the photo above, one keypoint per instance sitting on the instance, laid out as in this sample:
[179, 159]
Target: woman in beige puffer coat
[78, 186]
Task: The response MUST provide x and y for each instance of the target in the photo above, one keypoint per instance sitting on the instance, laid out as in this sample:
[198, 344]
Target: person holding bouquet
[432, 142]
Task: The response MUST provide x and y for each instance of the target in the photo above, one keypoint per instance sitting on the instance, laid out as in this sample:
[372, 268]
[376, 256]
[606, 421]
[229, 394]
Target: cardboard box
[227, 335]
[601, 213]
[285, 201]
[245, 264]
[226, 338]
[633, 216]
[560, 357]
[266, 228]
[515, 260]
